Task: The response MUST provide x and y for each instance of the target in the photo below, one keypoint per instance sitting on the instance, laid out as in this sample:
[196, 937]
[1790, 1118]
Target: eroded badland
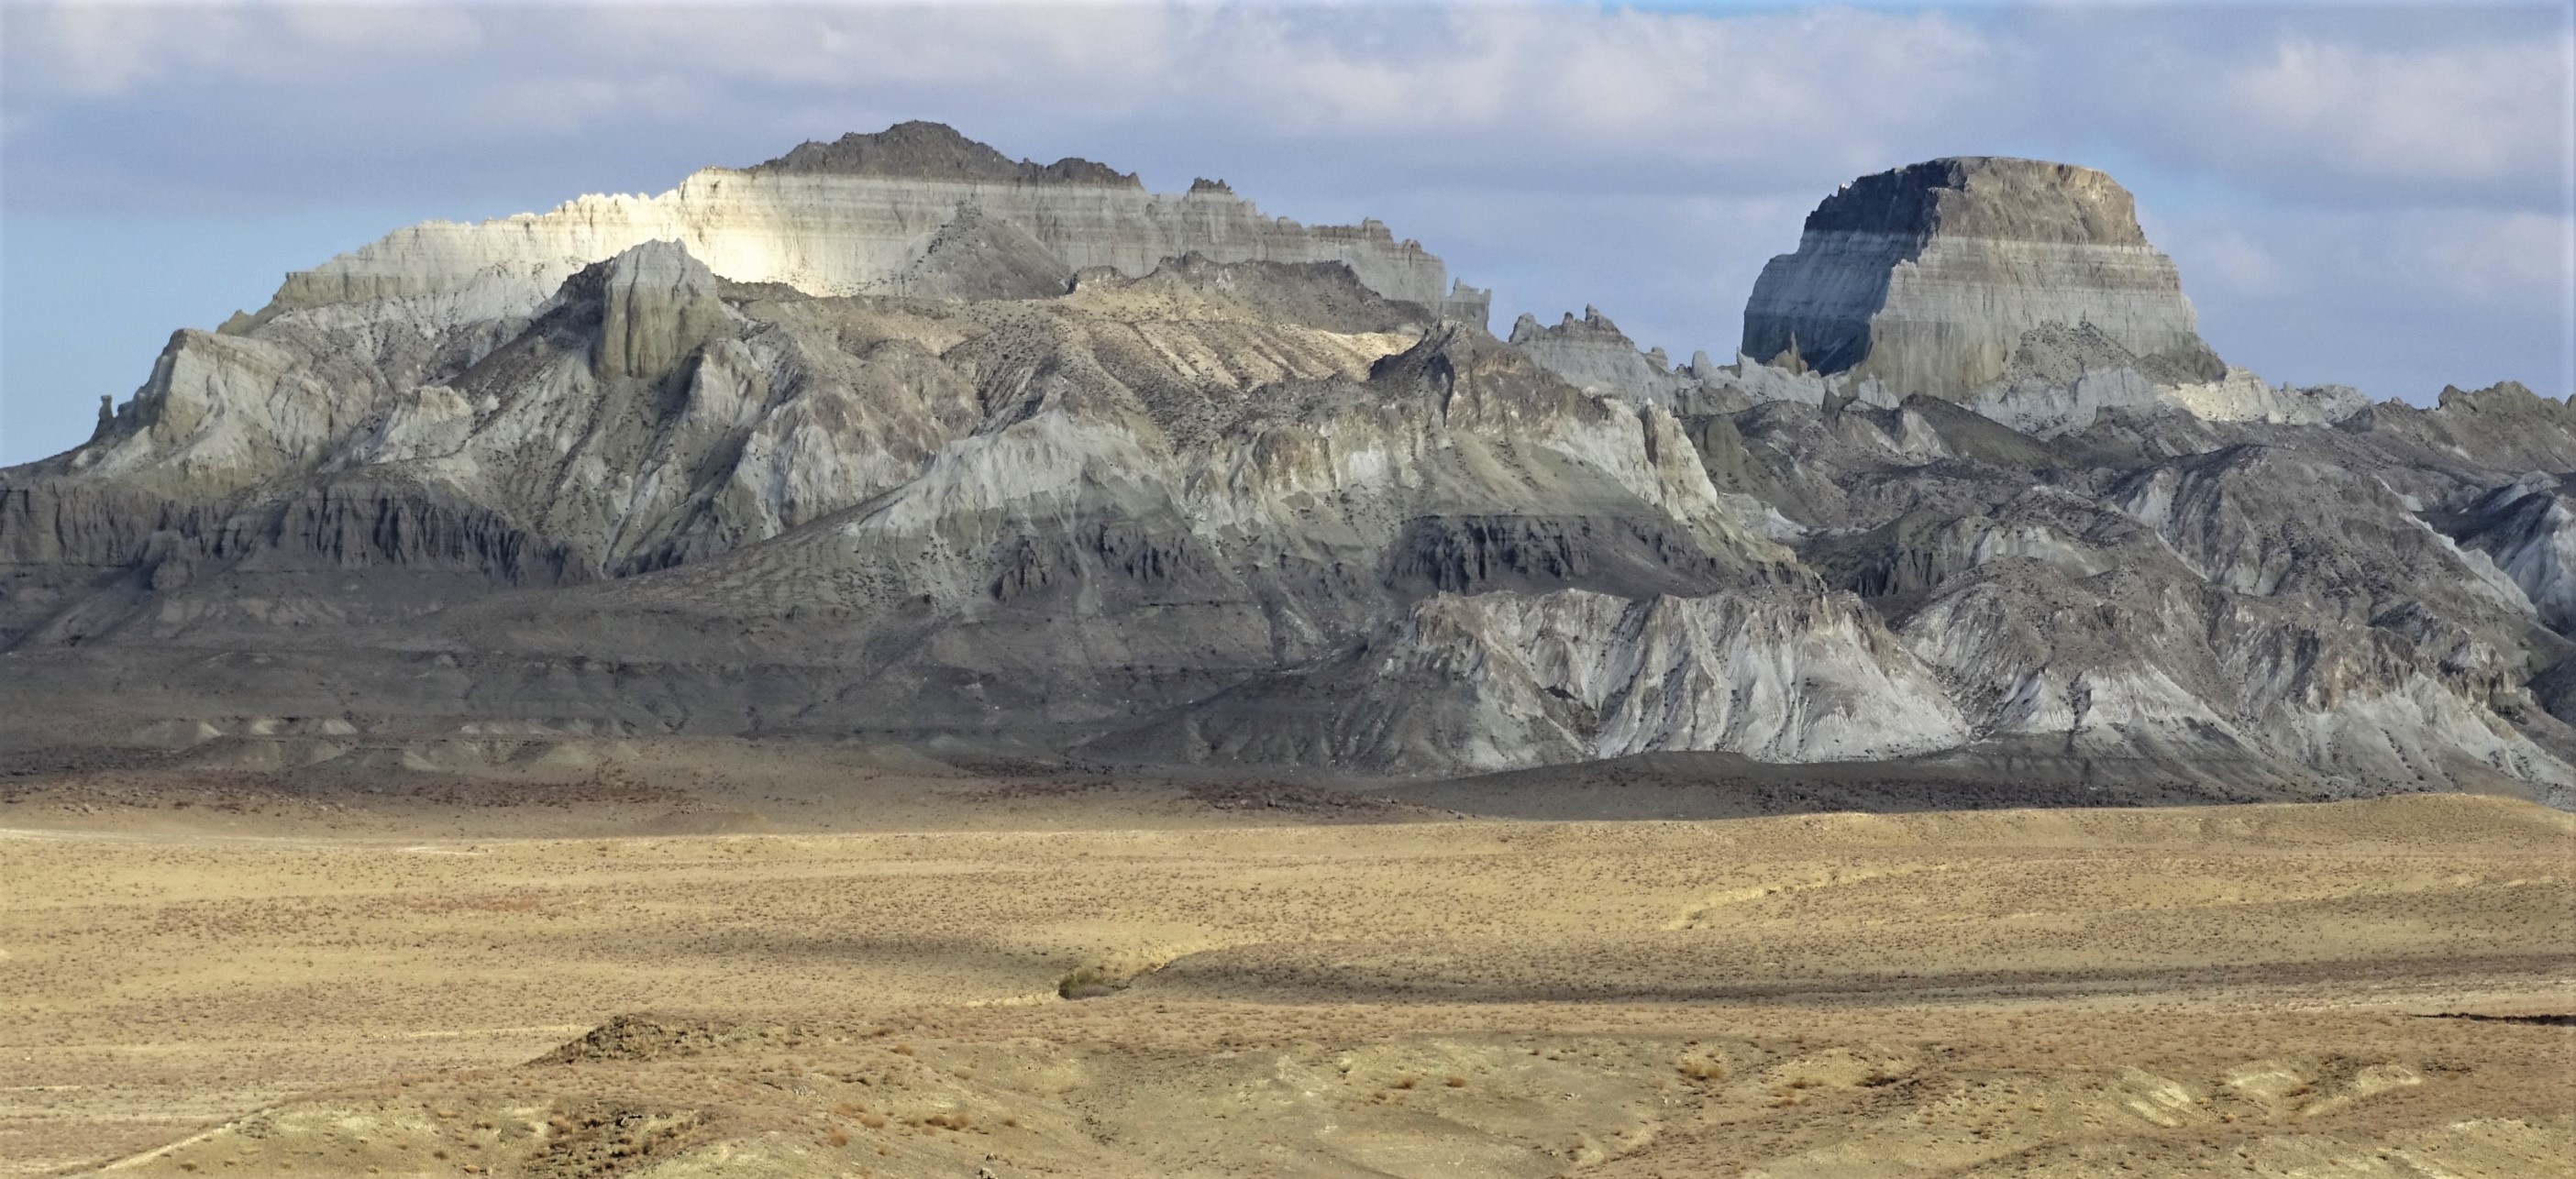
[897, 661]
[1120, 978]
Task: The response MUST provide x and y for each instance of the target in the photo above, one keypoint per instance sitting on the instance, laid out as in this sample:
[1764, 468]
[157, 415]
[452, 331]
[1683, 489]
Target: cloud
[96, 51]
[2484, 260]
[2328, 176]
[2498, 261]
[2396, 301]
[2469, 114]
[2356, 107]
[1675, 100]
[1534, 97]
[1683, 91]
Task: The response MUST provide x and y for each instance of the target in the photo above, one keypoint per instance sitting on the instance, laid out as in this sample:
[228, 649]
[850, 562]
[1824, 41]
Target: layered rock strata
[2059, 379]
[1927, 276]
[867, 213]
[1264, 511]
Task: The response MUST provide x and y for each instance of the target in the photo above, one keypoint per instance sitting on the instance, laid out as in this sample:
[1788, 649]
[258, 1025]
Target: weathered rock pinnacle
[658, 304]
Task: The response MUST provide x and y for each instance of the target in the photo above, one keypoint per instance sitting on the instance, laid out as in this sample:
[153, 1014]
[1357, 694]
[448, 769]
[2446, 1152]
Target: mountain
[1926, 276]
[897, 438]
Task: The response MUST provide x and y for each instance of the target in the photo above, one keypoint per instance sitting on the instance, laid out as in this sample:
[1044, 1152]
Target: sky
[2375, 195]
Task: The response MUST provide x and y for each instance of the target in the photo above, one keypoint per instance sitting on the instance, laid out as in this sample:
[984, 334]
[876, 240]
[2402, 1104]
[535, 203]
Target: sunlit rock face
[2021, 289]
[657, 305]
[1927, 276]
[898, 437]
[868, 214]
[1596, 356]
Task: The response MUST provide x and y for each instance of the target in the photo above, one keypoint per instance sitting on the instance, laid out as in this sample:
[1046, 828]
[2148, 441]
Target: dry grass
[2050, 993]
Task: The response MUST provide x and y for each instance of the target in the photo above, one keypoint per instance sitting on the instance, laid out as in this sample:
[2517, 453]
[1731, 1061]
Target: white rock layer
[1927, 276]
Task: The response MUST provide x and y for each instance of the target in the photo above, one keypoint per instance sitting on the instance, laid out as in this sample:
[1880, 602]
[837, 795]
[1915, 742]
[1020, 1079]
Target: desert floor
[998, 975]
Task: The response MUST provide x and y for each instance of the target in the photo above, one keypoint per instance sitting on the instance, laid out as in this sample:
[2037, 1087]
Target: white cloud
[98, 51]
[2359, 106]
[2486, 259]
[2397, 301]
[2229, 258]
[1705, 99]
[2330, 178]
[378, 29]
[1639, 87]
[2475, 113]
[2504, 260]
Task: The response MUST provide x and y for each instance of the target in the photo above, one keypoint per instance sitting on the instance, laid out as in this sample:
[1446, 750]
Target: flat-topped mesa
[1927, 276]
[861, 215]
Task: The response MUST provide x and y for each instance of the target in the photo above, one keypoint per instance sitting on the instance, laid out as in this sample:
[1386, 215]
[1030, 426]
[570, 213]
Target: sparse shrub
[1457, 1082]
[838, 1137]
[1090, 982]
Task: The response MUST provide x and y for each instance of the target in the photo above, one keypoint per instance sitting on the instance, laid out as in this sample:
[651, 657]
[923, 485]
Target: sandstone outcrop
[896, 437]
[1596, 356]
[1927, 276]
[657, 305]
[859, 215]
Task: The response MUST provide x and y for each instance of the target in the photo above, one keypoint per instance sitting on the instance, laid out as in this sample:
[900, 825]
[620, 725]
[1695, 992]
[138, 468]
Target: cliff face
[2022, 289]
[1926, 277]
[1206, 508]
[865, 214]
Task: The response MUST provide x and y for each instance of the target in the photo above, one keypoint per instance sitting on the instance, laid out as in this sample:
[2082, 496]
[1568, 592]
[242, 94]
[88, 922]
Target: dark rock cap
[935, 151]
[1995, 197]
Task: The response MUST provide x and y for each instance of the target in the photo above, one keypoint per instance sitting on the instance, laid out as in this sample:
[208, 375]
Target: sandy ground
[1089, 978]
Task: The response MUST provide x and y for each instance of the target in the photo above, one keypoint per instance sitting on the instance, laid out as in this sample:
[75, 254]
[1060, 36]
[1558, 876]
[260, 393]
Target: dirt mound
[605, 1139]
[653, 1037]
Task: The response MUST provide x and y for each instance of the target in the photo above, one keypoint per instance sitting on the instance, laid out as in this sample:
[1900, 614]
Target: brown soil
[1261, 990]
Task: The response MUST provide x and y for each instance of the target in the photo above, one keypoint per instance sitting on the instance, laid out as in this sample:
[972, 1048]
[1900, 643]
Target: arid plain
[894, 966]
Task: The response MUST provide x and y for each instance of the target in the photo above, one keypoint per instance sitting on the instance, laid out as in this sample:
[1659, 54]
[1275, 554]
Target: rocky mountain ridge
[1020, 458]
[864, 214]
